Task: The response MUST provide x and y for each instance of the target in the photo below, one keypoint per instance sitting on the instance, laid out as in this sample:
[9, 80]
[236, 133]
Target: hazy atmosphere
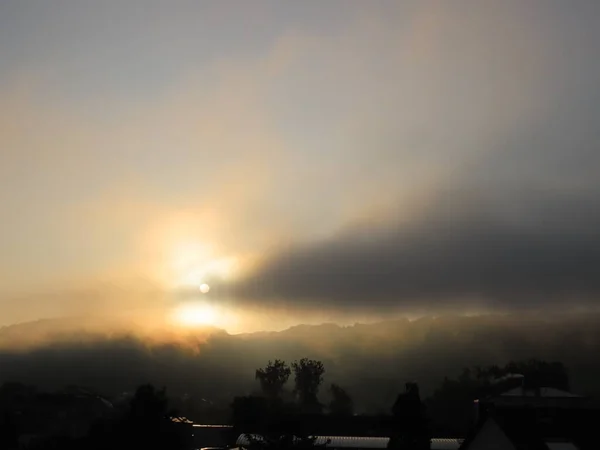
[256, 165]
[299, 225]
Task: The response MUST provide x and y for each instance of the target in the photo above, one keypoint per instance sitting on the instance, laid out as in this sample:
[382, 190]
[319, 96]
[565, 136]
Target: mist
[373, 361]
[446, 163]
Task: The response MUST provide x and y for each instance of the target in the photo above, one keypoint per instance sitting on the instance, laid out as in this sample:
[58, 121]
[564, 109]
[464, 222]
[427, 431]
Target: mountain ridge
[371, 360]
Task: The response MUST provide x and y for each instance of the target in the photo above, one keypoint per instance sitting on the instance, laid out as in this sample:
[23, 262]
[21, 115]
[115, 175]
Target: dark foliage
[273, 377]
[341, 403]
[411, 426]
[371, 361]
[452, 407]
[308, 376]
[146, 423]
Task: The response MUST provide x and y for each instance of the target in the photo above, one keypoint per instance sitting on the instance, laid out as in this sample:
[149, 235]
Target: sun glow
[192, 264]
[192, 314]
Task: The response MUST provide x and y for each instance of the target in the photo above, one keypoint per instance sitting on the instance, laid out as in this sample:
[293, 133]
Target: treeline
[448, 412]
[276, 416]
[303, 398]
[287, 403]
[371, 362]
[451, 406]
[41, 420]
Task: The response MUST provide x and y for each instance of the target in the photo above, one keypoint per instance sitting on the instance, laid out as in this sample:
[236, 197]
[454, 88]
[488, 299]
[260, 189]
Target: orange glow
[196, 314]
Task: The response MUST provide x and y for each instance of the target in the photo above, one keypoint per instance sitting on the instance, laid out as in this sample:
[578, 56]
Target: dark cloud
[517, 228]
[451, 256]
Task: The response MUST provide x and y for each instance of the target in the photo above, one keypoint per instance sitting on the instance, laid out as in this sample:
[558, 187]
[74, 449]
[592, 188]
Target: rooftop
[543, 392]
[364, 442]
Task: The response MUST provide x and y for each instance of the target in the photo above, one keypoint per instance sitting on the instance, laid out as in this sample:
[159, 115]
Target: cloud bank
[410, 156]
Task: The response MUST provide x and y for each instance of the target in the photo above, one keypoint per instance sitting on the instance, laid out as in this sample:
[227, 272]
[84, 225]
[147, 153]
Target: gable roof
[561, 446]
[522, 435]
[548, 392]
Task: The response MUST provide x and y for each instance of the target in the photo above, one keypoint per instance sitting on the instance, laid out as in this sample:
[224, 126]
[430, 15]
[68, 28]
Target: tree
[411, 431]
[147, 425]
[9, 430]
[451, 405]
[149, 404]
[540, 373]
[273, 377]
[341, 403]
[308, 376]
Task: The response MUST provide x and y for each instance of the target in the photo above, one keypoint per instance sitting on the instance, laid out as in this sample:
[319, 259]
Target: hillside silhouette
[371, 361]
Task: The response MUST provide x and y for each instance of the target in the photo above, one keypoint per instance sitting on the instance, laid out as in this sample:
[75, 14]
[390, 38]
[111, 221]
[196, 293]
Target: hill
[373, 361]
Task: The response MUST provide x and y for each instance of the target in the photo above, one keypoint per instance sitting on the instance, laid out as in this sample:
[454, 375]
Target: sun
[204, 288]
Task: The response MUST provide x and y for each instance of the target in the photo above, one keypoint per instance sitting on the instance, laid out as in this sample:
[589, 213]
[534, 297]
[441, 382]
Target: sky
[308, 160]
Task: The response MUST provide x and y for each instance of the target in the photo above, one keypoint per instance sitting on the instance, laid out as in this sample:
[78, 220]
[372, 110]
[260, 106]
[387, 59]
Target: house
[492, 435]
[534, 419]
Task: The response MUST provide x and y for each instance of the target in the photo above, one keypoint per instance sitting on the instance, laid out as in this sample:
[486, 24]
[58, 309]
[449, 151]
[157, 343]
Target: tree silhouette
[149, 404]
[536, 373]
[308, 376]
[273, 377]
[451, 405]
[9, 430]
[540, 373]
[148, 424]
[341, 403]
[411, 431]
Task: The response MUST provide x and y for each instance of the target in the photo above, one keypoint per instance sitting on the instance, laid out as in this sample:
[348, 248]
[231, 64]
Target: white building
[365, 443]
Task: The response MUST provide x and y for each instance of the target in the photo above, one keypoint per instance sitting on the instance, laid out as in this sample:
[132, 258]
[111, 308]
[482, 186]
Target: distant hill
[373, 361]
